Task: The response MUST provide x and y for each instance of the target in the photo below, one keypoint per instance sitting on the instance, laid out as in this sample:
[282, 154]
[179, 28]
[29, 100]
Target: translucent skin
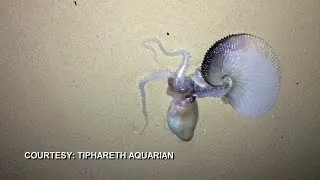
[182, 115]
[253, 69]
[241, 69]
[182, 119]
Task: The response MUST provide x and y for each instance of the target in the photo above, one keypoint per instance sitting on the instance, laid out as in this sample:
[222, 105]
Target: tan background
[68, 83]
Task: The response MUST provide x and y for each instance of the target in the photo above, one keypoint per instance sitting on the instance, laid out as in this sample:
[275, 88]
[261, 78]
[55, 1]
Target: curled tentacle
[141, 85]
[183, 111]
[241, 69]
[180, 73]
[145, 45]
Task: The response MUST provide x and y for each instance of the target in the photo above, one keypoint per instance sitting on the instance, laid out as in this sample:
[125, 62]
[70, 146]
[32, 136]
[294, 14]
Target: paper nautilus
[242, 69]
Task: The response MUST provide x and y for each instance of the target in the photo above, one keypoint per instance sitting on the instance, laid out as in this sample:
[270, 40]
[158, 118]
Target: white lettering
[102, 155]
[151, 156]
[49, 155]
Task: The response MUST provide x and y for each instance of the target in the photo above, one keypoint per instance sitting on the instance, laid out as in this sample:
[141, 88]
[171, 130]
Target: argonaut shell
[253, 67]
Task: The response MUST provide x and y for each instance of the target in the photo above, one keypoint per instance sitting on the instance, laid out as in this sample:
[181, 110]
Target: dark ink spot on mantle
[281, 137]
[75, 3]
[168, 33]
[297, 83]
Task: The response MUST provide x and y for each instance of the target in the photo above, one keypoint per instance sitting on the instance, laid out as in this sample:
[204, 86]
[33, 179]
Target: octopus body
[242, 69]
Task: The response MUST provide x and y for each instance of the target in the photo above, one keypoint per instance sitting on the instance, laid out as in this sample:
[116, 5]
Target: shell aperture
[254, 69]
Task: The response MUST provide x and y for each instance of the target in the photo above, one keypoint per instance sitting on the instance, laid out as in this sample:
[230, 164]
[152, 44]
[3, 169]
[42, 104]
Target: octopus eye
[190, 99]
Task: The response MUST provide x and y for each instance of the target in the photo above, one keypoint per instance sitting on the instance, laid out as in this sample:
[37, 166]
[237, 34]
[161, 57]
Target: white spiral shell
[254, 69]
